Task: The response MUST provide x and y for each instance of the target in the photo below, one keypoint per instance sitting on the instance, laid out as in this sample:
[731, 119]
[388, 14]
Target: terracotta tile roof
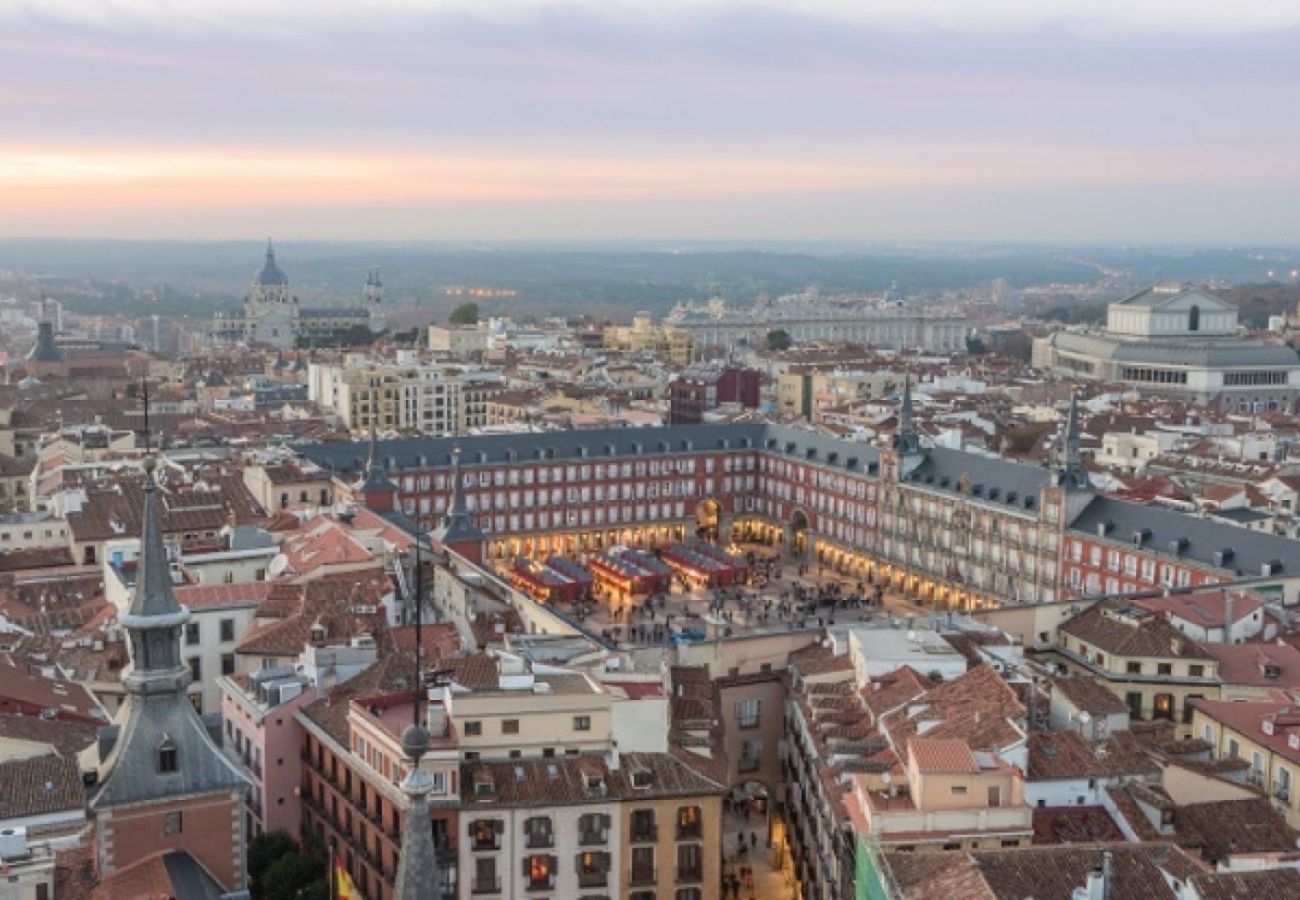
[1066, 754]
[43, 604]
[1207, 609]
[477, 671]
[1277, 883]
[40, 786]
[1120, 629]
[1090, 695]
[1228, 827]
[36, 559]
[66, 737]
[946, 755]
[331, 602]
[1074, 825]
[392, 673]
[1251, 664]
[438, 639]
[1248, 717]
[216, 596]
[891, 691]
[978, 707]
[1041, 872]
[818, 660]
[24, 687]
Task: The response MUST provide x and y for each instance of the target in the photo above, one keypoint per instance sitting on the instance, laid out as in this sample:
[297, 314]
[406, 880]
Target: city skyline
[692, 121]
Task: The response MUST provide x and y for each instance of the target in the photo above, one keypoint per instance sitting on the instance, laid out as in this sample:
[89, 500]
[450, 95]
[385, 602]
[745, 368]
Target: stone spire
[159, 749]
[419, 875]
[458, 530]
[906, 440]
[375, 486]
[1072, 473]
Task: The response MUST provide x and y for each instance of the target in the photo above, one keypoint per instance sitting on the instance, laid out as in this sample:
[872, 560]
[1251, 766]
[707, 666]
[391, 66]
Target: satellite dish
[887, 777]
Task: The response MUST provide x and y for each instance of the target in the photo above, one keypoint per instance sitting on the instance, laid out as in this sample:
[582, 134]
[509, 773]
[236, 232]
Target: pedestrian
[753, 840]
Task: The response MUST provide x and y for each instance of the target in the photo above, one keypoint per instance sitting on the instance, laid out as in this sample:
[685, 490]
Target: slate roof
[1206, 352]
[562, 781]
[407, 453]
[1251, 549]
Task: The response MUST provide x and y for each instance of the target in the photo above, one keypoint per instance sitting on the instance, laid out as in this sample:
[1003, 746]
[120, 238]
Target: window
[227, 664]
[191, 633]
[751, 755]
[172, 823]
[196, 668]
[643, 826]
[486, 880]
[1133, 668]
[643, 865]
[1164, 668]
[688, 894]
[509, 726]
[473, 729]
[1196, 671]
[593, 868]
[484, 834]
[689, 822]
[167, 757]
[690, 862]
[1163, 707]
[539, 831]
[582, 723]
[227, 629]
[747, 713]
[540, 871]
[959, 790]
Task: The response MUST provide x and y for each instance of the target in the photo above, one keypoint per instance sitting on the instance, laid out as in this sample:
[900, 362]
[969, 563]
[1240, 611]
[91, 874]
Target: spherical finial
[415, 741]
[149, 465]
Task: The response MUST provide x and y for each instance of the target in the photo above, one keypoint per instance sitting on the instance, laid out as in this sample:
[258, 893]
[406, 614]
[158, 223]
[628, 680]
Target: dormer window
[641, 779]
[166, 757]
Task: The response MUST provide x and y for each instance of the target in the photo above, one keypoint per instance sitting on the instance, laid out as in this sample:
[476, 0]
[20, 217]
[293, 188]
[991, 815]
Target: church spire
[1072, 474]
[906, 440]
[458, 529]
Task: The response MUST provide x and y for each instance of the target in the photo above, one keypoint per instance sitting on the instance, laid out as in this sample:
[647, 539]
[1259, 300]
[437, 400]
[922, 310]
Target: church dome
[270, 274]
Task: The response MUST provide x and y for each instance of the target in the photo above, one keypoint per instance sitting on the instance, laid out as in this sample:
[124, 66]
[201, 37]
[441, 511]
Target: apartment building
[412, 397]
[670, 829]
[521, 711]
[1266, 734]
[549, 825]
[1156, 669]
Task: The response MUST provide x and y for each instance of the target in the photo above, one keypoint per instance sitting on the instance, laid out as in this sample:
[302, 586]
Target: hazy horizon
[714, 121]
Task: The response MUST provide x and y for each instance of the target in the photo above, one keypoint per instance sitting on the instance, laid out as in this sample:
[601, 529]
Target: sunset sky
[1149, 121]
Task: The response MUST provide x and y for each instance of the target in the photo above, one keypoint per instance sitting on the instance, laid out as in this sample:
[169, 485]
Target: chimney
[1227, 616]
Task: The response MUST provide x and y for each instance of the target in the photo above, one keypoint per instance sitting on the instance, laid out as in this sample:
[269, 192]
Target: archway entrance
[799, 533]
[708, 521]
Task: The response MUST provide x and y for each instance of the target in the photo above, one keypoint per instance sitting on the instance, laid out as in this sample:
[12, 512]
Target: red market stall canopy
[627, 571]
[701, 568]
[570, 569]
[543, 582]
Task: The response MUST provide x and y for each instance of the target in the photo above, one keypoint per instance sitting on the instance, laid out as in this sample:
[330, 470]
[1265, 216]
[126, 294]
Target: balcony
[644, 834]
[643, 875]
[1282, 792]
[690, 874]
[485, 886]
[486, 846]
[587, 838]
[592, 879]
[690, 832]
[540, 841]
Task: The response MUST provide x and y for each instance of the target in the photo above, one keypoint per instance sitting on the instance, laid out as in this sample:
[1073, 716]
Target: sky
[1148, 121]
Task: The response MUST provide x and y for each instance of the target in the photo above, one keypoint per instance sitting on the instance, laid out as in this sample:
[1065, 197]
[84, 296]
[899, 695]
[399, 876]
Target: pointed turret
[458, 531]
[375, 487]
[906, 440]
[1072, 474]
[161, 759]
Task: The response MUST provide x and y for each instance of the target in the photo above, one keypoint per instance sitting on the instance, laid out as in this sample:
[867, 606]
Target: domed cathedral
[272, 315]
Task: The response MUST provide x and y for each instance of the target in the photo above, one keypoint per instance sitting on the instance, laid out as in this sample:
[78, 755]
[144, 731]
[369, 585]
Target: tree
[265, 849]
[465, 314]
[779, 339]
[292, 876]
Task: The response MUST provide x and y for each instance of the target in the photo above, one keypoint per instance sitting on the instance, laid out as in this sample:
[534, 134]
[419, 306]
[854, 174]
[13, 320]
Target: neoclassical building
[271, 313]
[1178, 340]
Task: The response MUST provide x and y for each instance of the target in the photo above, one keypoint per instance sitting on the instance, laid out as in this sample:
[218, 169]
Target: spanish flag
[344, 889]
